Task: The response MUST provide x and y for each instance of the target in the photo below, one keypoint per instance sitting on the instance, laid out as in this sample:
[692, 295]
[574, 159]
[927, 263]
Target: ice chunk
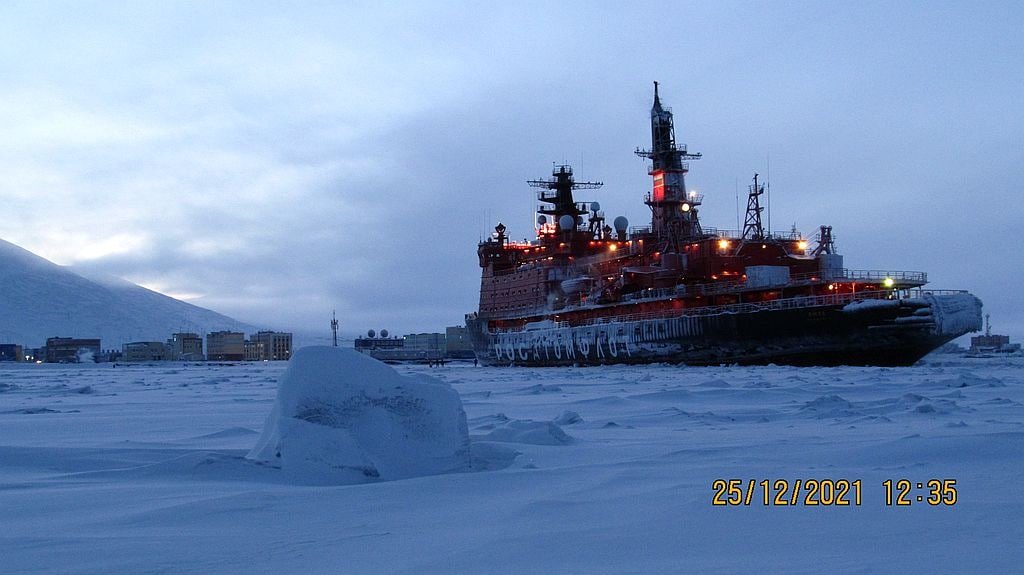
[530, 432]
[343, 417]
[568, 418]
[829, 406]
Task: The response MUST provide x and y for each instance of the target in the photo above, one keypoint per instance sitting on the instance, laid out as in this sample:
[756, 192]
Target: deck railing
[881, 275]
[779, 304]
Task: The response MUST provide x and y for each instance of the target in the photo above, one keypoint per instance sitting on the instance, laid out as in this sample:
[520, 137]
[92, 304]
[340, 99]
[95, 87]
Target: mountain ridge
[40, 299]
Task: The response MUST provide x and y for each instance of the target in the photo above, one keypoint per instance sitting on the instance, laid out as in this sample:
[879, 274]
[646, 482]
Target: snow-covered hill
[40, 299]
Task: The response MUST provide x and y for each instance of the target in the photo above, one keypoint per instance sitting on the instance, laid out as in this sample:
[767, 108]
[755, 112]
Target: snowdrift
[343, 417]
[529, 432]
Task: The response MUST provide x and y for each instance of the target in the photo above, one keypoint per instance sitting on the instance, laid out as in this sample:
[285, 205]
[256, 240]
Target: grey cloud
[287, 164]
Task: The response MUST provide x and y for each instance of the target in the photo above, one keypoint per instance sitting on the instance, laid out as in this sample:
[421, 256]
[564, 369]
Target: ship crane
[826, 245]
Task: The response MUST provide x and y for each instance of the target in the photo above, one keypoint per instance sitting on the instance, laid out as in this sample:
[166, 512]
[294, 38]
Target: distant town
[184, 346]
[234, 346]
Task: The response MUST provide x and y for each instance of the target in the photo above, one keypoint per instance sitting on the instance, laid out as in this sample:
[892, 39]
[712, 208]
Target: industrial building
[11, 352]
[71, 350]
[418, 347]
[146, 351]
[186, 346]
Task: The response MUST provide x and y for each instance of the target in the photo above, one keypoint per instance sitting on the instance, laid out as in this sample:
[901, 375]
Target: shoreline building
[382, 348]
[11, 352]
[992, 343]
[454, 343]
[146, 351]
[457, 343]
[225, 346]
[186, 346]
[71, 350]
[270, 346]
[425, 346]
[253, 350]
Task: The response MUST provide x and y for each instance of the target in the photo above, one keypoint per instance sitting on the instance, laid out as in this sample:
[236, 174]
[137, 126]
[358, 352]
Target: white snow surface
[143, 469]
[343, 417]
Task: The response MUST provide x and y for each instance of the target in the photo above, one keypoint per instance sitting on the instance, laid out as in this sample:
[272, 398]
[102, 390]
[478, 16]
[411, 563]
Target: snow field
[142, 469]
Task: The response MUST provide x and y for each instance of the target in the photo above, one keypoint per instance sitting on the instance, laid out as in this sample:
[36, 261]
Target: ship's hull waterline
[873, 332]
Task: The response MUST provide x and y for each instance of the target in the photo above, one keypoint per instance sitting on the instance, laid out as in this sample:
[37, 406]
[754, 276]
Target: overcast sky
[274, 161]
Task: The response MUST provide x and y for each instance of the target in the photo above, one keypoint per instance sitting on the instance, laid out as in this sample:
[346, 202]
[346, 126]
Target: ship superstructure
[584, 292]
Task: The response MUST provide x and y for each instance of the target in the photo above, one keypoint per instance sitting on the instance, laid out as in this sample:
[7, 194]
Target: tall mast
[334, 328]
[557, 191]
[752, 228]
[673, 211]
